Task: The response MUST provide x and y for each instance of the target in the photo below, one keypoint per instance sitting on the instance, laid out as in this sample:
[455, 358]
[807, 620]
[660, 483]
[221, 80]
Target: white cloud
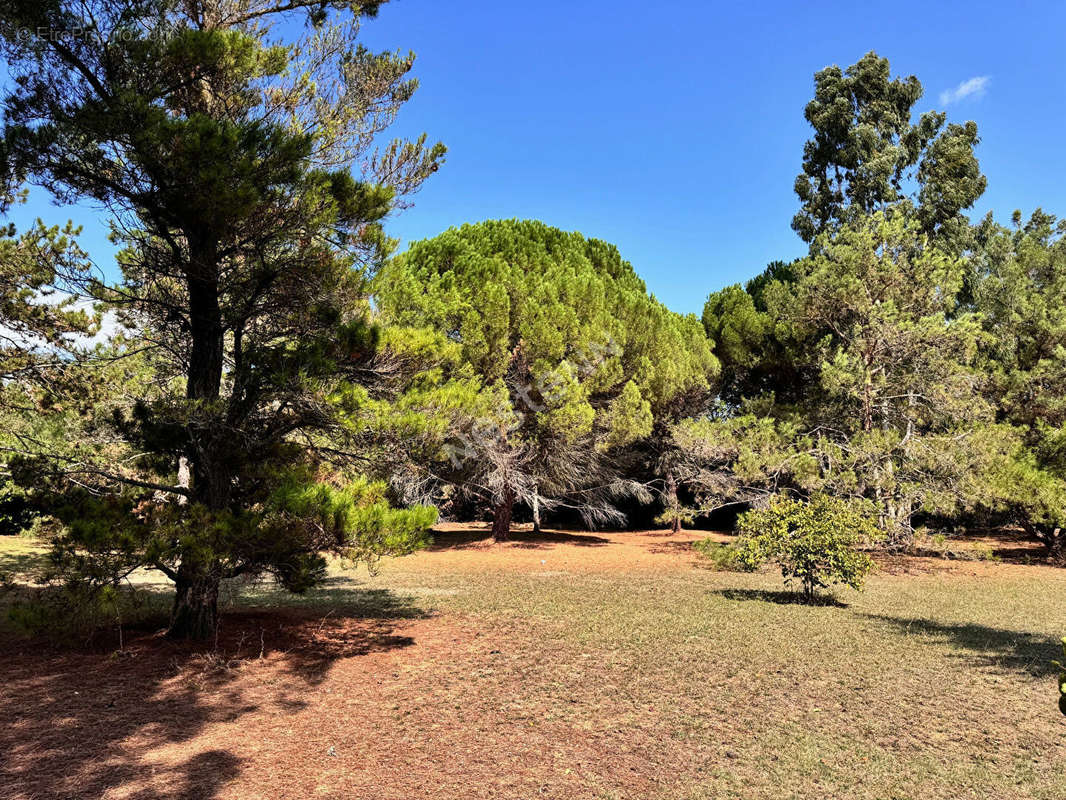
[972, 87]
[109, 324]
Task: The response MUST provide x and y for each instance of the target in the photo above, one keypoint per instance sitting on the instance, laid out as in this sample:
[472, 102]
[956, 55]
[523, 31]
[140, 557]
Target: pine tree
[577, 359]
[42, 322]
[225, 158]
[897, 395]
[866, 150]
[1020, 280]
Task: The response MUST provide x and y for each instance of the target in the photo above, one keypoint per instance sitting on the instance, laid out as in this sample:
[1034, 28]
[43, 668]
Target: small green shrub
[813, 542]
[722, 556]
[1061, 666]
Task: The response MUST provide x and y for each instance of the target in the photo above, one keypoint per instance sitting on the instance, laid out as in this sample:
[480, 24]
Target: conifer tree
[866, 150]
[225, 157]
[577, 360]
[897, 395]
[41, 321]
[1020, 280]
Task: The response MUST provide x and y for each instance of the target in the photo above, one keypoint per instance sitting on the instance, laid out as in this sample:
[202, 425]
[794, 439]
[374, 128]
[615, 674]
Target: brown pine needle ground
[563, 666]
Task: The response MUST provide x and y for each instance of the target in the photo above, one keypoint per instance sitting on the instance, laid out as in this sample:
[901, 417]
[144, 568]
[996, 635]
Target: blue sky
[675, 130]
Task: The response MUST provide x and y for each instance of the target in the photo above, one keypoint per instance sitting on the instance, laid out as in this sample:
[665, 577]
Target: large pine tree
[562, 333]
[867, 154]
[224, 157]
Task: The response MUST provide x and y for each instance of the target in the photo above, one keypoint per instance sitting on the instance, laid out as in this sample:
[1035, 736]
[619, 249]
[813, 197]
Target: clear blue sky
[675, 130]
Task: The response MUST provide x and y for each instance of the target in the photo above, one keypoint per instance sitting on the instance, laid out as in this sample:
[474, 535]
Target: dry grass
[607, 666]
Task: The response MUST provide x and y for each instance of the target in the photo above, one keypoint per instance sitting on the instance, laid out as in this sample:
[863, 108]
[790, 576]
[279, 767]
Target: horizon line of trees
[284, 385]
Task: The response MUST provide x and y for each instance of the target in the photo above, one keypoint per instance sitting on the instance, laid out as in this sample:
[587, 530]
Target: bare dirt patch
[292, 706]
[467, 546]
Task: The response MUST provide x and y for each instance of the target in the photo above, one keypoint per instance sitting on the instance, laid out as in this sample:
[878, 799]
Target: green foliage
[575, 359]
[880, 299]
[1019, 280]
[226, 155]
[734, 325]
[723, 557]
[888, 388]
[759, 355]
[813, 542]
[42, 319]
[739, 459]
[355, 515]
[16, 511]
[76, 611]
[100, 541]
[283, 377]
[570, 303]
[866, 149]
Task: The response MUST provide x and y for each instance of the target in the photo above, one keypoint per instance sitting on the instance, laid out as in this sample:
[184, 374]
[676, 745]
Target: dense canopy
[583, 358]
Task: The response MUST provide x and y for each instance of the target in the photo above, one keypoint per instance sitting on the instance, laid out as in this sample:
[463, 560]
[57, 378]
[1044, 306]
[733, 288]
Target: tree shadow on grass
[526, 540]
[998, 648]
[781, 597]
[76, 722]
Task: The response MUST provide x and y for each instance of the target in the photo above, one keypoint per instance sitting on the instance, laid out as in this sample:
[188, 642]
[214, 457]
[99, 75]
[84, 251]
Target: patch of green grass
[720, 555]
[20, 556]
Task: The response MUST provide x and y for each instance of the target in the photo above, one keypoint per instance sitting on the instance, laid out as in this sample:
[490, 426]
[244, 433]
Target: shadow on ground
[781, 597]
[999, 648]
[670, 548]
[77, 723]
[465, 539]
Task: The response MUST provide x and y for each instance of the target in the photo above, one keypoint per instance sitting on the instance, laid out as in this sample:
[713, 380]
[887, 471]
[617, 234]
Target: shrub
[1061, 666]
[813, 542]
[722, 556]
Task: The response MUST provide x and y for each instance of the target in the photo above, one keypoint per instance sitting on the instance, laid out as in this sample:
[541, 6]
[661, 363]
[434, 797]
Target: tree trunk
[195, 612]
[205, 326]
[1054, 539]
[867, 404]
[184, 478]
[536, 511]
[501, 519]
[674, 501]
[1055, 544]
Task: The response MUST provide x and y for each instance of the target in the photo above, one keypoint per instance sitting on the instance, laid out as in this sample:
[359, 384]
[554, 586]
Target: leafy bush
[1061, 666]
[814, 543]
[722, 556]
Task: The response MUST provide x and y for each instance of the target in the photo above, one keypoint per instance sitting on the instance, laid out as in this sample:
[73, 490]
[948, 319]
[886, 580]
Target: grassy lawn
[607, 666]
